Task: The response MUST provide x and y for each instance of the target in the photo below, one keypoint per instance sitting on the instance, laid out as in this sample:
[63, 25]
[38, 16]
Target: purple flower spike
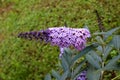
[60, 36]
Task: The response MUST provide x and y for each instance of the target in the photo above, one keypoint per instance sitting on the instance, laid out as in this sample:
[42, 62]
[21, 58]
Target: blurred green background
[31, 60]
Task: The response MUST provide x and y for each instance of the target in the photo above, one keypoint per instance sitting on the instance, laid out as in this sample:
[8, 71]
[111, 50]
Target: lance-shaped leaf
[84, 51]
[110, 32]
[107, 50]
[68, 55]
[78, 69]
[68, 51]
[95, 56]
[112, 67]
[92, 73]
[99, 40]
[112, 62]
[47, 77]
[65, 75]
[116, 42]
[56, 75]
[92, 61]
[64, 63]
[100, 49]
[78, 74]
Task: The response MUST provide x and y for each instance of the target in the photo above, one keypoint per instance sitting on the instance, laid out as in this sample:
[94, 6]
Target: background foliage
[31, 60]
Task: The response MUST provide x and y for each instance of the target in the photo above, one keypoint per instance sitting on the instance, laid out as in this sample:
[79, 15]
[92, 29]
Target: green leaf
[112, 67]
[47, 77]
[64, 63]
[65, 75]
[56, 74]
[92, 73]
[99, 40]
[68, 56]
[68, 51]
[80, 71]
[78, 68]
[95, 56]
[116, 41]
[99, 33]
[84, 51]
[113, 61]
[110, 32]
[99, 48]
[92, 61]
[107, 50]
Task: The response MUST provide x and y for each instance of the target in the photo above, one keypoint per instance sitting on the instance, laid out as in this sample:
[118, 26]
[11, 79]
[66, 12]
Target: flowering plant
[96, 60]
[91, 62]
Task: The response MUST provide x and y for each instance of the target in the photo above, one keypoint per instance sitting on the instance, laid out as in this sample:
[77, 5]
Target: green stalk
[102, 72]
[103, 61]
[116, 77]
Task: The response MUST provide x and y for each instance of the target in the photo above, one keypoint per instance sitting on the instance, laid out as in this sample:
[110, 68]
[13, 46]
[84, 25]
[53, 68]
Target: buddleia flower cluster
[63, 37]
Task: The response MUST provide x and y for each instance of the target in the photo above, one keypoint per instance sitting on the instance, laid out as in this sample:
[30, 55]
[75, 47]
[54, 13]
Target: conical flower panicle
[60, 36]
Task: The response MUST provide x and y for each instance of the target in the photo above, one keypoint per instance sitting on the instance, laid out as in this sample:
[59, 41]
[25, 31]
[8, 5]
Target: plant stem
[116, 77]
[102, 72]
[103, 64]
